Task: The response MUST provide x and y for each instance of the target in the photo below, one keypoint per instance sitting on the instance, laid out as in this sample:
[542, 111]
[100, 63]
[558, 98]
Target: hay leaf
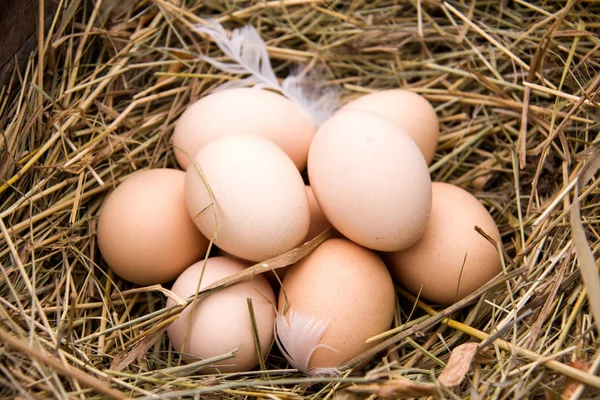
[585, 257]
[592, 165]
[458, 365]
[572, 385]
[396, 388]
[126, 357]
[280, 261]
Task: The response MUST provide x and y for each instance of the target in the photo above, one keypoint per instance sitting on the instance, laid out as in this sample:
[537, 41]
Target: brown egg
[221, 322]
[410, 111]
[260, 201]
[318, 221]
[370, 180]
[434, 265]
[339, 296]
[244, 110]
[145, 234]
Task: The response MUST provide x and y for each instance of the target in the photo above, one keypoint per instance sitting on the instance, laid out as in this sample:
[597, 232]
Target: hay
[515, 85]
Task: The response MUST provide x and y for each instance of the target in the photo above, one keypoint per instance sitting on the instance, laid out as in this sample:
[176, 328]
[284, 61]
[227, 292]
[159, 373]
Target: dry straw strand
[515, 85]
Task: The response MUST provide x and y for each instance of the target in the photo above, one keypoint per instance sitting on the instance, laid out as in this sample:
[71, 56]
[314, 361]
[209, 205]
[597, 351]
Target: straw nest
[515, 85]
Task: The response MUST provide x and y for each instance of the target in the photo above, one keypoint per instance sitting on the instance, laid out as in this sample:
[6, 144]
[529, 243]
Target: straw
[515, 85]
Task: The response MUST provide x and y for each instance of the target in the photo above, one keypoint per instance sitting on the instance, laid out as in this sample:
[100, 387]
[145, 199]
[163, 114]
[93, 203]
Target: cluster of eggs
[242, 152]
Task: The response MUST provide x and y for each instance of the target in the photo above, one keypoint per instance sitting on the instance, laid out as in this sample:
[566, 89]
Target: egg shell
[318, 221]
[347, 286]
[145, 234]
[260, 200]
[434, 265]
[371, 181]
[221, 322]
[408, 110]
[244, 110]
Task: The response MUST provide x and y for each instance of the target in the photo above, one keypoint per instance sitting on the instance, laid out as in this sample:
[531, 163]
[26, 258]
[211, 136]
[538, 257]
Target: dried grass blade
[277, 262]
[124, 358]
[559, 367]
[585, 257]
[396, 388]
[400, 387]
[59, 367]
[255, 335]
[571, 385]
[458, 364]
[438, 317]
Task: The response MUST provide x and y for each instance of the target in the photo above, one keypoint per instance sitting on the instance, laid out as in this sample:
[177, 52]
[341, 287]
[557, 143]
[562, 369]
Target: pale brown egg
[451, 260]
[260, 202]
[244, 110]
[339, 296]
[318, 221]
[408, 110]
[221, 322]
[145, 234]
[370, 180]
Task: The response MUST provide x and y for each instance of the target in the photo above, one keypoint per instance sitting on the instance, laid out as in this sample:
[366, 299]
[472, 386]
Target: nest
[515, 86]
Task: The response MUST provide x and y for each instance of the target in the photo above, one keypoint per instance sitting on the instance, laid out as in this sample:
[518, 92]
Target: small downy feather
[299, 339]
[317, 100]
[248, 54]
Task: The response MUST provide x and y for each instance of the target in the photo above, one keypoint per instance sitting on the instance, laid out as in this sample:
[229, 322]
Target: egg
[408, 110]
[243, 110]
[451, 260]
[318, 221]
[221, 322]
[330, 303]
[371, 181]
[260, 202]
[145, 234]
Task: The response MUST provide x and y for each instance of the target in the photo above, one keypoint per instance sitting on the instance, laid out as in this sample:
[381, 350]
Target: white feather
[246, 50]
[299, 339]
[248, 54]
[309, 92]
